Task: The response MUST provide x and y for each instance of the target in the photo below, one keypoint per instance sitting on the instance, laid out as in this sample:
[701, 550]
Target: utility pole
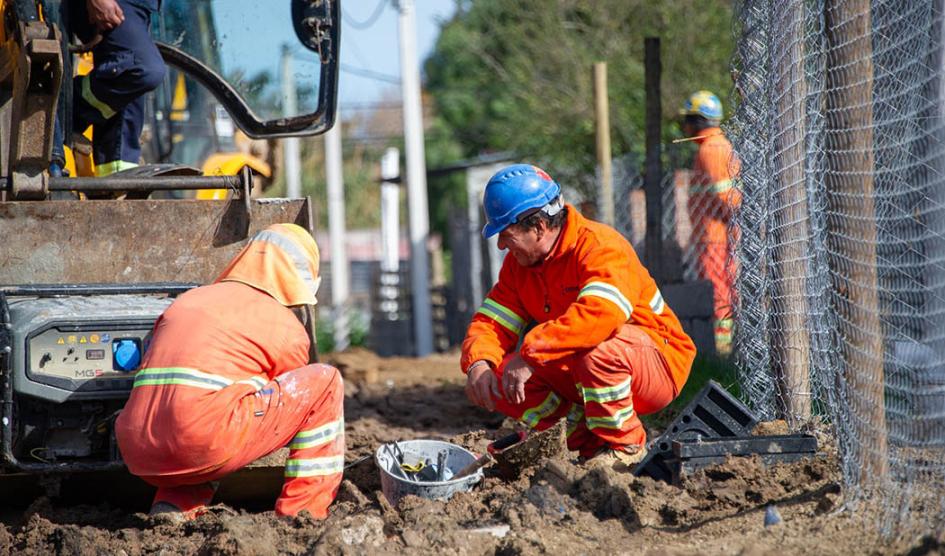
[336, 234]
[390, 211]
[602, 116]
[290, 145]
[417, 207]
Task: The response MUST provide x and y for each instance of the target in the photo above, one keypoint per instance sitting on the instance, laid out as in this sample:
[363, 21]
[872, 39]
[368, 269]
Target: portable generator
[68, 357]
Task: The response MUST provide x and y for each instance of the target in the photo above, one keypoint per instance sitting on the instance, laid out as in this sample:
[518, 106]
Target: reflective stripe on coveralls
[657, 303]
[615, 421]
[93, 101]
[720, 186]
[599, 394]
[575, 417]
[606, 394]
[314, 467]
[190, 377]
[502, 315]
[109, 168]
[610, 293]
[317, 436]
[532, 416]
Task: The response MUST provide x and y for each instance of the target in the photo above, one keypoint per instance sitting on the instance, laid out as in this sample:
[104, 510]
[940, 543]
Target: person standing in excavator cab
[575, 327]
[226, 380]
[126, 66]
[713, 200]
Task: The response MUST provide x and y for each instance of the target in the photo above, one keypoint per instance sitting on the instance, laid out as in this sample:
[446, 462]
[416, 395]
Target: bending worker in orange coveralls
[226, 380]
[605, 347]
[713, 200]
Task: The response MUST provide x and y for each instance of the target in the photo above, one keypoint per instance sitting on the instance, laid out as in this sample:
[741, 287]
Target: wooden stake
[602, 119]
[851, 238]
[790, 334]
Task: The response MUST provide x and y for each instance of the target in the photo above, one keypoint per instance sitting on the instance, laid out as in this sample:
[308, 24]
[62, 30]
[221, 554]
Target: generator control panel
[84, 351]
[81, 347]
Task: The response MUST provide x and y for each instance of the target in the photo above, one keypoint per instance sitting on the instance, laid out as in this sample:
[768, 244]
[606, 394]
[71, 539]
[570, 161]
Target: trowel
[521, 450]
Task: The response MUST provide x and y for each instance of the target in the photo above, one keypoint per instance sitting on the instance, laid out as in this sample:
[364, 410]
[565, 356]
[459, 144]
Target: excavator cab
[83, 278]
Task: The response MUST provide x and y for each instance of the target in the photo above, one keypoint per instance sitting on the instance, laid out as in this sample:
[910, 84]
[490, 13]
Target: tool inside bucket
[419, 467]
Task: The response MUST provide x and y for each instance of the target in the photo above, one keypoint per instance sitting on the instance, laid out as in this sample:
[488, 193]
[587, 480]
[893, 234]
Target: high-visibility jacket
[200, 364]
[712, 195]
[589, 285]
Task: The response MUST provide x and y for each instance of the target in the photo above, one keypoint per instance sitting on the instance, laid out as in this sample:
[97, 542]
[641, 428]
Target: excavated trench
[556, 507]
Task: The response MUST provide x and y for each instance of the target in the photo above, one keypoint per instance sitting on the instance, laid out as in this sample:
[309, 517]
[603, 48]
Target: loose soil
[556, 507]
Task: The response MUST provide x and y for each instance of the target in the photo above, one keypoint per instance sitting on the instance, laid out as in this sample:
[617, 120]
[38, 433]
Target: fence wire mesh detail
[840, 129]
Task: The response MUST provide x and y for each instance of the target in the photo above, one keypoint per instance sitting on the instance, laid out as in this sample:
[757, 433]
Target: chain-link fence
[697, 208]
[840, 129]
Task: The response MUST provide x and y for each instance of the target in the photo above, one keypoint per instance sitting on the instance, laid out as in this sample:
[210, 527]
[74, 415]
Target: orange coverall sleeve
[719, 166]
[497, 325]
[605, 302]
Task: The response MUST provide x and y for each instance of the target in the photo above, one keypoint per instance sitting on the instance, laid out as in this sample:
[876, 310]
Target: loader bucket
[132, 241]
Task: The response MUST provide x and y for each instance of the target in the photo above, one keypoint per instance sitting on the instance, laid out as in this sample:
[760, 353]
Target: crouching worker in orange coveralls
[604, 348]
[226, 380]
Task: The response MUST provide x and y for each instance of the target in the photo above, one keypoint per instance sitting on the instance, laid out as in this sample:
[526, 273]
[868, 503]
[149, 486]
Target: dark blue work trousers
[127, 65]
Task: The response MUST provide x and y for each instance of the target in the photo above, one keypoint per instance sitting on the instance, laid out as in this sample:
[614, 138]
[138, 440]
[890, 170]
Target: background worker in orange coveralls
[605, 347]
[226, 380]
[712, 202]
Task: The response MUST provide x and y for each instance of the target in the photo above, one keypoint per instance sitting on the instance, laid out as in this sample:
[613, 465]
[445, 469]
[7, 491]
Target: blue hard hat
[514, 190]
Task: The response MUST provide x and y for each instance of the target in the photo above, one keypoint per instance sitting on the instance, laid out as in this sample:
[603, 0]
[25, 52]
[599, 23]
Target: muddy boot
[623, 459]
[166, 513]
[182, 503]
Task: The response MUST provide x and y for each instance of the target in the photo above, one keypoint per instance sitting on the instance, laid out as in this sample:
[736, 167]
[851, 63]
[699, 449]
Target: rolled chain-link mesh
[840, 304]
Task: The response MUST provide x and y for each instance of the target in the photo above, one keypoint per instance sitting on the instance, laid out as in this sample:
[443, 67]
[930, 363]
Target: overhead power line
[370, 74]
[371, 20]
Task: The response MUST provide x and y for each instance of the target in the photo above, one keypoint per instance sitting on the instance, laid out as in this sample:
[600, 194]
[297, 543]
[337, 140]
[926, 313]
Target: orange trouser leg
[714, 267]
[620, 379]
[600, 393]
[317, 451]
[301, 408]
[549, 396]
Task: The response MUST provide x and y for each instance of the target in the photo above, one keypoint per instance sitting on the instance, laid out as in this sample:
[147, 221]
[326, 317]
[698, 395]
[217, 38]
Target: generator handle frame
[7, 458]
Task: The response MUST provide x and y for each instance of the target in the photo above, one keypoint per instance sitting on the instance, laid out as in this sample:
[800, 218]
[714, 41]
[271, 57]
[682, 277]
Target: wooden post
[653, 174]
[851, 226]
[790, 335]
[602, 118]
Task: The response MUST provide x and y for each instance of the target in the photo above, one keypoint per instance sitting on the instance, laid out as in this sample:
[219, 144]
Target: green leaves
[517, 75]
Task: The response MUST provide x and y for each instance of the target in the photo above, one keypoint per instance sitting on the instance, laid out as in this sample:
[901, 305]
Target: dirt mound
[558, 506]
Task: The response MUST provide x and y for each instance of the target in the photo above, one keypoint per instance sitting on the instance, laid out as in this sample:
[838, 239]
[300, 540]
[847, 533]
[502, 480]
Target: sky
[376, 48]
[251, 36]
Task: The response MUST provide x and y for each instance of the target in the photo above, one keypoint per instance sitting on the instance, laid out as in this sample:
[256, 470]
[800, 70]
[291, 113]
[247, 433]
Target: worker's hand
[514, 376]
[105, 14]
[482, 386]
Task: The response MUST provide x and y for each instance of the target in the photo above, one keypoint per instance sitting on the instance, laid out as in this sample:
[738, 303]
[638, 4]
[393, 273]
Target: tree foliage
[518, 75]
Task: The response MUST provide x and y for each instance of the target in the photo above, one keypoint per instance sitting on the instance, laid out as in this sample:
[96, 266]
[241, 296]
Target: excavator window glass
[249, 54]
